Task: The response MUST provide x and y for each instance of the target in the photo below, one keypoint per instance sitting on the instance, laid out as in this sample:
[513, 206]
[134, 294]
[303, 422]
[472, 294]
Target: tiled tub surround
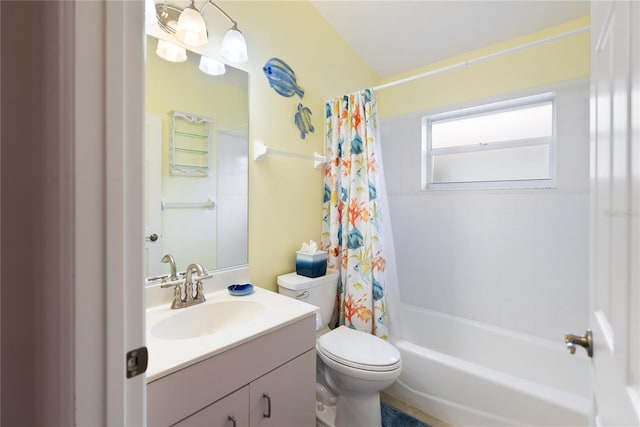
[508, 258]
[476, 263]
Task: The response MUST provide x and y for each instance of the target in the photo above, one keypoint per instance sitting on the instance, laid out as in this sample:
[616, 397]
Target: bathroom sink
[178, 338]
[207, 319]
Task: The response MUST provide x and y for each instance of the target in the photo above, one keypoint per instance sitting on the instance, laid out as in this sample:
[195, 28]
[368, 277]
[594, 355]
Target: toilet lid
[359, 350]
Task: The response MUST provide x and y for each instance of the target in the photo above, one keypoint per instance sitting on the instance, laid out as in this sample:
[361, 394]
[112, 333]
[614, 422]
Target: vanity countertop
[170, 355]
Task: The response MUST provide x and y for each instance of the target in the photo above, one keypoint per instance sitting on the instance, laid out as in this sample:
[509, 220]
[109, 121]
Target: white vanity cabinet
[274, 371]
[281, 397]
[230, 411]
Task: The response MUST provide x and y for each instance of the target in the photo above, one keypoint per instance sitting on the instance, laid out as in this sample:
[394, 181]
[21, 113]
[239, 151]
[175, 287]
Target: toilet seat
[359, 350]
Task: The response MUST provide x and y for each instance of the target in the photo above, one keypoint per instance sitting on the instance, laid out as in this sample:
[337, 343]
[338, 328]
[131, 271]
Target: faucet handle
[202, 277]
[177, 292]
[171, 283]
[199, 292]
[154, 279]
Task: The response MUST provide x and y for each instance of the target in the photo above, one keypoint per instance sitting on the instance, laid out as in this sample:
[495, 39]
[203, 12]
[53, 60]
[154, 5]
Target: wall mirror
[196, 164]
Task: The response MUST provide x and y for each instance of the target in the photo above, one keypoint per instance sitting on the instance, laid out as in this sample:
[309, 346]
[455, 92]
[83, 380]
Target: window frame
[487, 109]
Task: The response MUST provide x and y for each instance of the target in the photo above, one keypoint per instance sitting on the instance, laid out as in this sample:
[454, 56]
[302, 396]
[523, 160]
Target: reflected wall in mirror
[204, 218]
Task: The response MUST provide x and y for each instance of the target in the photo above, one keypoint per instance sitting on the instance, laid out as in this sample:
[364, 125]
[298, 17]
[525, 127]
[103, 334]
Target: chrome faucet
[199, 296]
[172, 264]
[189, 297]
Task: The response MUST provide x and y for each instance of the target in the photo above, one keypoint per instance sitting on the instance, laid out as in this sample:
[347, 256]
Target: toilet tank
[319, 291]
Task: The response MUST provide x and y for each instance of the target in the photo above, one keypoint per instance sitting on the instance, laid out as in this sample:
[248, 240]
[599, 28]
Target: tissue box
[311, 264]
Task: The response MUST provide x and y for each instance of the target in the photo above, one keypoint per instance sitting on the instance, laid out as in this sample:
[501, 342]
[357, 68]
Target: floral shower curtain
[352, 223]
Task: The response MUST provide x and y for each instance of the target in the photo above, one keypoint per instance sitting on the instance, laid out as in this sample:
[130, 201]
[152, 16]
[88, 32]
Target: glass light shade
[234, 48]
[191, 30]
[171, 52]
[211, 66]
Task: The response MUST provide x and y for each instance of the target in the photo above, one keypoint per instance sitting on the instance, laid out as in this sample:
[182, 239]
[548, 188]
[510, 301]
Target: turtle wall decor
[302, 119]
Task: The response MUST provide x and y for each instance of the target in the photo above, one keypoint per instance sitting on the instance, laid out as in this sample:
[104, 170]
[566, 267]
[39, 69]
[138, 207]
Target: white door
[153, 195]
[615, 232]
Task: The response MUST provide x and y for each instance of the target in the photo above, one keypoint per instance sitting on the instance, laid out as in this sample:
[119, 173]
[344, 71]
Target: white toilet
[353, 364]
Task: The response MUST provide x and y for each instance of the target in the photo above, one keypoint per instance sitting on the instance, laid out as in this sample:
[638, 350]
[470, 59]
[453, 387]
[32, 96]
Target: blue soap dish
[239, 290]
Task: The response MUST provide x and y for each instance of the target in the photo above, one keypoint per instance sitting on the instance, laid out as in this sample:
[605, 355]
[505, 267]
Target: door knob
[153, 237]
[571, 341]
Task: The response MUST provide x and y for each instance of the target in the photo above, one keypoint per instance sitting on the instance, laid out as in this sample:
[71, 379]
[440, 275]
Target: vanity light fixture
[171, 52]
[211, 66]
[189, 28]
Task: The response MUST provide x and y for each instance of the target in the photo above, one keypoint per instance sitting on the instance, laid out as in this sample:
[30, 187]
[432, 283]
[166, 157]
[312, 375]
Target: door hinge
[137, 361]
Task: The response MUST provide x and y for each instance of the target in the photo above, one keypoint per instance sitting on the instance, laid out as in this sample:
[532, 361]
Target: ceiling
[395, 36]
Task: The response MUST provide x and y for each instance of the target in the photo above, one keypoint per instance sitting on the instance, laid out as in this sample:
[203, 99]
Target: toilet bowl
[357, 366]
[354, 365]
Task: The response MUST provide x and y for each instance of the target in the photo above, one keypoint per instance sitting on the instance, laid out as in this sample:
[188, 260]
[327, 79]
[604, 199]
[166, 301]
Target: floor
[414, 412]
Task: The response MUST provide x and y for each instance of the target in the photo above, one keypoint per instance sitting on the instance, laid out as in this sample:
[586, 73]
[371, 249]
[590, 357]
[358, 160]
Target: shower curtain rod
[482, 58]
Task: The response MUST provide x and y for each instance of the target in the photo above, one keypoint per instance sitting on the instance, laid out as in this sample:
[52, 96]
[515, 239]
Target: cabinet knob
[233, 420]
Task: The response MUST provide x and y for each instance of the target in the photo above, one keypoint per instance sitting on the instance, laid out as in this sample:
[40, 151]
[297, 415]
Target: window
[506, 144]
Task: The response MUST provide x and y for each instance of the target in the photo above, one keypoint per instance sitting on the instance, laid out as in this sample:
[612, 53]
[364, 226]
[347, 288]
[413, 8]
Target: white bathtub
[472, 374]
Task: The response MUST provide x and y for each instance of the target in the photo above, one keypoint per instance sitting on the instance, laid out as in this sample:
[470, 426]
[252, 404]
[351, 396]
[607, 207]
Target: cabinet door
[230, 411]
[285, 397]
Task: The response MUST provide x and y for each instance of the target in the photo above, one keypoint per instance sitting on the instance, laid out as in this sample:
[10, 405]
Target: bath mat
[392, 417]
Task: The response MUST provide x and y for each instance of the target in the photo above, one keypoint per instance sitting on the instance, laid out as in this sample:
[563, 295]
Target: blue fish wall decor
[302, 119]
[282, 78]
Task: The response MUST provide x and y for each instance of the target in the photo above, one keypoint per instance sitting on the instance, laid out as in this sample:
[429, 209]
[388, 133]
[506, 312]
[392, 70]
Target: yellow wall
[558, 61]
[181, 86]
[285, 194]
